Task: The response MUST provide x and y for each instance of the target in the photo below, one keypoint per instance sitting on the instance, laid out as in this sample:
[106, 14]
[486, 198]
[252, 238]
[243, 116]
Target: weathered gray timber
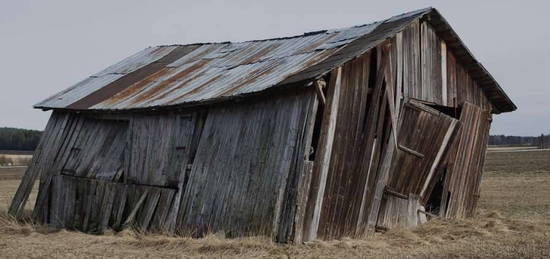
[325, 135]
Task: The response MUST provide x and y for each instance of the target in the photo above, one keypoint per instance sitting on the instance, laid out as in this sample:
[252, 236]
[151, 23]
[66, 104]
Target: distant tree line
[24, 139]
[542, 141]
[18, 139]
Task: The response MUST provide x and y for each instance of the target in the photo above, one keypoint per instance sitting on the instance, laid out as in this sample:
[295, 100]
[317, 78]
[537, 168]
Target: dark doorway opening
[451, 111]
[317, 127]
[433, 205]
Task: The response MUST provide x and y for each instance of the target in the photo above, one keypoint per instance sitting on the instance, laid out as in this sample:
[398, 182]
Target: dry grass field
[14, 159]
[513, 221]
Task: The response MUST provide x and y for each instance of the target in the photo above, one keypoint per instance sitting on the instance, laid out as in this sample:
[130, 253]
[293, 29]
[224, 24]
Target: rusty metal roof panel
[180, 74]
[105, 77]
[137, 60]
[206, 51]
[199, 80]
[79, 90]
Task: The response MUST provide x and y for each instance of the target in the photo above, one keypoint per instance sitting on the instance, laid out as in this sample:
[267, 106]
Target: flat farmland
[513, 220]
[12, 172]
[14, 158]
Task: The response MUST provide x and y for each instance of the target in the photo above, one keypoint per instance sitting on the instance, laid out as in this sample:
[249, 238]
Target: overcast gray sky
[46, 46]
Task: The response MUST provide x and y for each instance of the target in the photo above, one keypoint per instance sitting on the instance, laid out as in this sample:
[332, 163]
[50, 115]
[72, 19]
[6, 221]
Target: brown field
[513, 221]
[10, 173]
[15, 159]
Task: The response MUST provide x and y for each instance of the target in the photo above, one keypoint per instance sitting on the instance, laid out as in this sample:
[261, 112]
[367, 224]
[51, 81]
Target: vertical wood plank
[323, 159]
[444, 86]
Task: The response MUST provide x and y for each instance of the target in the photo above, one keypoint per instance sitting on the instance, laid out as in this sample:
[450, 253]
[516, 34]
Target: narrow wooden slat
[149, 208]
[394, 193]
[133, 213]
[444, 87]
[118, 206]
[302, 201]
[411, 151]
[380, 184]
[316, 199]
[107, 206]
[87, 204]
[390, 91]
[399, 93]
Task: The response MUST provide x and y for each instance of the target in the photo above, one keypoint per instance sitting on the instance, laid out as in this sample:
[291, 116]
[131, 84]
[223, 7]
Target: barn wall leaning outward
[464, 164]
[426, 70]
[397, 120]
[233, 167]
[355, 136]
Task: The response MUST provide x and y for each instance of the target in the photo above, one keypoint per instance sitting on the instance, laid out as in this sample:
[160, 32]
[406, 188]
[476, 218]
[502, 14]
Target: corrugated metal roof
[180, 74]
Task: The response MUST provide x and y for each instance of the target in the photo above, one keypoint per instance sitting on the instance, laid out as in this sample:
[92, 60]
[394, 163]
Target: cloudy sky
[46, 46]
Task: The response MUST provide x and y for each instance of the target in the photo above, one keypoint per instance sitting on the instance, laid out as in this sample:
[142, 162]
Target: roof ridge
[305, 34]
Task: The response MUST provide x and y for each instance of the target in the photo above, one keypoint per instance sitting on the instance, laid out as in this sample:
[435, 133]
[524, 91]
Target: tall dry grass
[487, 235]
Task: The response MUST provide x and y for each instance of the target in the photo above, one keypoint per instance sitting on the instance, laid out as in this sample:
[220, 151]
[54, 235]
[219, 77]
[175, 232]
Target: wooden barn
[330, 134]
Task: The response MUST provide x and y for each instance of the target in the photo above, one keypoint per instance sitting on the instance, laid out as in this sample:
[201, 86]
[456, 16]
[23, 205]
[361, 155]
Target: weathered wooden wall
[95, 150]
[243, 178]
[233, 167]
[465, 163]
[428, 71]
